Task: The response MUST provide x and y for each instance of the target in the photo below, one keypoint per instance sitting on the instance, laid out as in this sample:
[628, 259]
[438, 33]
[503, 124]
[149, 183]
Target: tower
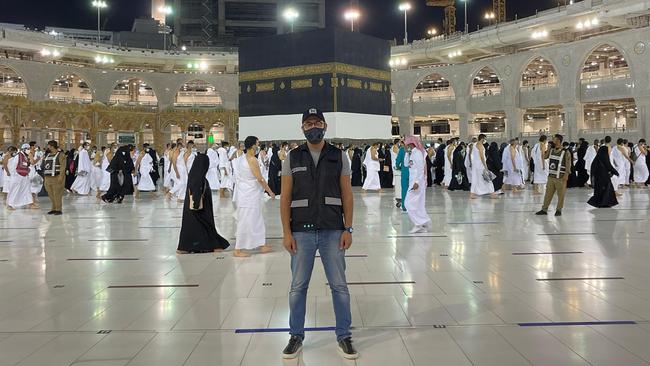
[499, 9]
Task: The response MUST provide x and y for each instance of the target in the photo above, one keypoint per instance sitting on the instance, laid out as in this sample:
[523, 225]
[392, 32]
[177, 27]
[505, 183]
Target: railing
[427, 98]
[198, 104]
[591, 77]
[132, 103]
[539, 133]
[486, 93]
[527, 88]
[71, 99]
[612, 130]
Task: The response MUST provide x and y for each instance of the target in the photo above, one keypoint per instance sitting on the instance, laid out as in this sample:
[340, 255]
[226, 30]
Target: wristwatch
[349, 229]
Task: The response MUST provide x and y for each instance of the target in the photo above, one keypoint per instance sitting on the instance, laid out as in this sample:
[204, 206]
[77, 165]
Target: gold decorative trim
[301, 84]
[315, 69]
[378, 87]
[355, 84]
[264, 87]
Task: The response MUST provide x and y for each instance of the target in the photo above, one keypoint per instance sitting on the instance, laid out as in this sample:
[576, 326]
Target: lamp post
[490, 16]
[99, 4]
[352, 15]
[291, 14]
[165, 10]
[405, 7]
[466, 26]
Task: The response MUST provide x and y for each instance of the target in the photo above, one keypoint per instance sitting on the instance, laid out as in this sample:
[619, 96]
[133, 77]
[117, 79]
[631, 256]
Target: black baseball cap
[312, 112]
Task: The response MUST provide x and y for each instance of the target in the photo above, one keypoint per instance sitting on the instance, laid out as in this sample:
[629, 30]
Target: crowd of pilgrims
[482, 168]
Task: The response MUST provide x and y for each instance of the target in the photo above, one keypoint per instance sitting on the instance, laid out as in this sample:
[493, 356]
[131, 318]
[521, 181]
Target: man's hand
[415, 187]
[346, 240]
[289, 243]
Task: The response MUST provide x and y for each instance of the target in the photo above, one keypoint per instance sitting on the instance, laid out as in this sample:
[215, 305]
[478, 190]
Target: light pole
[291, 14]
[466, 26]
[490, 16]
[405, 7]
[166, 10]
[352, 15]
[99, 4]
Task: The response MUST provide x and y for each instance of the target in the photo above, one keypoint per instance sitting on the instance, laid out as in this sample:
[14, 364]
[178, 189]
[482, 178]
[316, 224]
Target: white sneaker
[416, 229]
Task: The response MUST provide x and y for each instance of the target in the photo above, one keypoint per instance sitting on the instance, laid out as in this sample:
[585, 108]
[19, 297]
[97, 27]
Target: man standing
[53, 166]
[559, 169]
[540, 175]
[81, 184]
[316, 212]
[225, 170]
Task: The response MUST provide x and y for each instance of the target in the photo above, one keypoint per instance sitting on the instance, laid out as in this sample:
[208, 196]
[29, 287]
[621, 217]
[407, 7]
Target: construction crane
[449, 23]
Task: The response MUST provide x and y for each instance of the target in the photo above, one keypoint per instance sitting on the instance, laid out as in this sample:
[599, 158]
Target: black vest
[316, 193]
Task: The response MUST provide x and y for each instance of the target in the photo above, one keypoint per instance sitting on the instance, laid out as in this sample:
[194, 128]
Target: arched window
[486, 83]
[605, 62]
[197, 93]
[133, 91]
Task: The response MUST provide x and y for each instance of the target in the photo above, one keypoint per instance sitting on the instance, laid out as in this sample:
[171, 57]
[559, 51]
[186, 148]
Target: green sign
[210, 139]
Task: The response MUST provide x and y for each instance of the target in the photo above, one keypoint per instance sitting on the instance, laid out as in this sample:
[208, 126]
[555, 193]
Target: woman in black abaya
[275, 167]
[458, 170]
[494, 165]
[71, 162]
[121, 167]
[601, 179]
[580, 167]
[357, 176]
[198, 232]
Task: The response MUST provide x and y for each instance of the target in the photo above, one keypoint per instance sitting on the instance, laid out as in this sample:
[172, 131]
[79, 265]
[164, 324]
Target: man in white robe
[592, 151]
[213, 171]
[371, 162]
[415, 199]
[20, 187]
[512, 167]
[540, 174]
[81, 184]
[225, 170]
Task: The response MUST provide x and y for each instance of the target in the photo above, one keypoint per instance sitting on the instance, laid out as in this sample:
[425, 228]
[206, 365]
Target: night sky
[380, 18]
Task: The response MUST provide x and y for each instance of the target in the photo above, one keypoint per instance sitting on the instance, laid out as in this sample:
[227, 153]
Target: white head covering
[24, 147]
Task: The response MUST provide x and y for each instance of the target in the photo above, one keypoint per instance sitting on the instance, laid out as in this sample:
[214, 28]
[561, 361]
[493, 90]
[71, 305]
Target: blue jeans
[302, 264]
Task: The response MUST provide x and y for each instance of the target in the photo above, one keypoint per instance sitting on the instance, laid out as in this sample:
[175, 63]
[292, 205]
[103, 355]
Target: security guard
[53, 167]
[316, 211]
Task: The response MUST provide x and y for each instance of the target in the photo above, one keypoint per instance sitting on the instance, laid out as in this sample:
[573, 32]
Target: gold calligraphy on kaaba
[301, 84]
[315, 69]
[355, 84]
[264, 87]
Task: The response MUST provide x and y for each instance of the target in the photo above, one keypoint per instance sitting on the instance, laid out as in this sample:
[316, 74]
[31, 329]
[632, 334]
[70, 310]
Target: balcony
[486, 103]
[539, 96]
[426, 106]
[612, 87]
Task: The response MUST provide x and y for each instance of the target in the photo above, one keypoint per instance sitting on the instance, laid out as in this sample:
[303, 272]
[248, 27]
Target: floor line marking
[542, 253]
[103, 259]
[350, 256]
[282, 330]
[581, 278]
[416, 236]
[118, 239]
[559, 324]
[380, 283]
[152, 286]
[559, 234]
[473, 223]
[159, 227]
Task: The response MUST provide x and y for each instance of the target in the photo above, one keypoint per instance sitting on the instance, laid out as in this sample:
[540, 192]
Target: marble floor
[491, 285]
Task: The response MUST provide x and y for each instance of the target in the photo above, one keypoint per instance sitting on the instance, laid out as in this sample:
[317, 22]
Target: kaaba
[343, 73]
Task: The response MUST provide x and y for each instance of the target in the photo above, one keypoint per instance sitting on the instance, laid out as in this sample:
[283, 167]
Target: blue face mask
[315, 135]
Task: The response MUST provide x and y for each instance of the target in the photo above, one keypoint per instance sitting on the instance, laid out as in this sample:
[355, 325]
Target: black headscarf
[196, 181]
